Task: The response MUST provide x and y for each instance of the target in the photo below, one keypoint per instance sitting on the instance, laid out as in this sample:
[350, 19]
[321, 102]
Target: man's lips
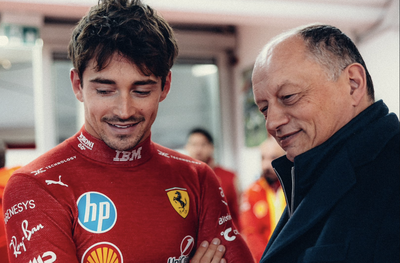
[120, 123]
[122, 126]
[285, 139]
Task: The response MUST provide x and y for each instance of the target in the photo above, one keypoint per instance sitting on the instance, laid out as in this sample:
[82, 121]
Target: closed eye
[142, 93]
[264, 109]
[103, 92]
[290, 99]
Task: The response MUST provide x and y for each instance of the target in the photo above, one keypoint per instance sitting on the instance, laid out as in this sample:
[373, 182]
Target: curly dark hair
[128, 27]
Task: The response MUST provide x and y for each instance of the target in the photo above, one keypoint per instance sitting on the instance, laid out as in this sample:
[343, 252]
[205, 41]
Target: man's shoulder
[61, 155]
[378, 138]
[175, 156]
[388, 158]
[186, 166]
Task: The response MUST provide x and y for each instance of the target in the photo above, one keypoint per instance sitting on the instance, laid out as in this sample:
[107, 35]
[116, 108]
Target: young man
[200, 145]
[109, 194]
[340, 173]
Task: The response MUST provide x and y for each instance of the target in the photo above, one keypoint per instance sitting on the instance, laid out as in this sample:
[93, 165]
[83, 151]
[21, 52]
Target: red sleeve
[232, 198]
[227, 180]
[39, 228]
[216, 221]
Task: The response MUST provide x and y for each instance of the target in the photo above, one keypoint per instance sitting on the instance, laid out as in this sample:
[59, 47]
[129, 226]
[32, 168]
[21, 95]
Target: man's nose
[276, 117]
[125, 106]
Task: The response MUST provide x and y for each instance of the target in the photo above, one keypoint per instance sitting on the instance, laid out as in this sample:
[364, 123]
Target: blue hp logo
[97, 213]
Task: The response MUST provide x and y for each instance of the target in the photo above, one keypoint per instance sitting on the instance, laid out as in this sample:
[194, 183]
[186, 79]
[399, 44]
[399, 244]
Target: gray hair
[329, 47]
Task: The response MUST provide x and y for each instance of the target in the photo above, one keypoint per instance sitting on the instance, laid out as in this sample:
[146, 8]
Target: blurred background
[211, 84]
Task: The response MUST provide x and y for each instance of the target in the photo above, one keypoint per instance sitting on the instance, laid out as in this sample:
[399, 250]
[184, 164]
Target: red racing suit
[227, 180]
[85, 202]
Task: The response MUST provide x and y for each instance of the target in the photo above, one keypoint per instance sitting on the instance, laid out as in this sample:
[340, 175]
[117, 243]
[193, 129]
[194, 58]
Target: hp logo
[97, 213]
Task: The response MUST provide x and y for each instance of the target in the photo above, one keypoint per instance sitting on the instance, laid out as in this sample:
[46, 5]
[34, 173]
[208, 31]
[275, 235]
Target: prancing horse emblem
[179, 199]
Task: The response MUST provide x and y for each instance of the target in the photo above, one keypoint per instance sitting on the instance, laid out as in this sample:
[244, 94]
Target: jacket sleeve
[39, 228]
[216, 221]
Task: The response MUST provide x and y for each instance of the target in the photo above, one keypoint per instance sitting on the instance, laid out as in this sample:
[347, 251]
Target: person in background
[263, 202]
[200, 145]
[341, 172]
[5, 173]
[109, 193]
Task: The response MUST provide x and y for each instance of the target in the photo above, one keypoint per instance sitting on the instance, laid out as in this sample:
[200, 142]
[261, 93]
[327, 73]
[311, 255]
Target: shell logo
[103, 252]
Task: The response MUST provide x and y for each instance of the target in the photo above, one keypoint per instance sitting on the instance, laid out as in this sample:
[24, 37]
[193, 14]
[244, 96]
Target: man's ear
[76, 84]
[358, 82]
[167, 87]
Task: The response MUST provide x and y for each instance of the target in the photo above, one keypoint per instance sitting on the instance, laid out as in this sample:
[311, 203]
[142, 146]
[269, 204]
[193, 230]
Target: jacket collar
[312, 163]
[96, 150]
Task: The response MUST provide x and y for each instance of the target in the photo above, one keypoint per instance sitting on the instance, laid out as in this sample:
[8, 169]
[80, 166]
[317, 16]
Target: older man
[341, 171]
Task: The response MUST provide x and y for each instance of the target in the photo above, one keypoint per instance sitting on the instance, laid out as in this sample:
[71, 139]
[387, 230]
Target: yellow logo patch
[103, 252]
[179, 199]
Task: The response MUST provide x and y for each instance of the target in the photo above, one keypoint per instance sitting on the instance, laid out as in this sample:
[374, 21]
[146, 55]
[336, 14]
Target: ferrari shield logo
[179, 199]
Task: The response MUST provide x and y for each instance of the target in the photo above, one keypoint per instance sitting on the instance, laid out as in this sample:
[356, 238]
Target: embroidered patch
[179, 199]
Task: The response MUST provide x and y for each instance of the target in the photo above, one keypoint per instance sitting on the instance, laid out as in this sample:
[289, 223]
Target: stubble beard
[122, 142]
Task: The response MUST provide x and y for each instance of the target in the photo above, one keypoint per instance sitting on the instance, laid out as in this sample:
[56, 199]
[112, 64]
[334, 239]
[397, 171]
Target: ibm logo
[97, 213]
[123, 156]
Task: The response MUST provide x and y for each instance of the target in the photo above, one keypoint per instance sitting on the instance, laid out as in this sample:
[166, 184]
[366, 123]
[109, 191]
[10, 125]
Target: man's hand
[209, 253]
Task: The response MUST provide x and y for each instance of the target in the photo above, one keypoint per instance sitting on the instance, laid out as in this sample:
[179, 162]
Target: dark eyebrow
[111, 82]
[144, 82]
[102, 81]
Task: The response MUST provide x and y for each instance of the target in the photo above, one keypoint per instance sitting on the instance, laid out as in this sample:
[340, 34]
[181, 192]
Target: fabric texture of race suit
[85, 202]
[227, 180]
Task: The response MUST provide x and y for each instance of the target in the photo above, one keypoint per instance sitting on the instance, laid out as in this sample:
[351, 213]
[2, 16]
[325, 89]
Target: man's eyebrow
[111, 82]
[144, 82]
[102, 81]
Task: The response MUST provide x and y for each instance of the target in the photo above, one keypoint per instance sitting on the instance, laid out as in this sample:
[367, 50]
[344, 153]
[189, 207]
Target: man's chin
[122, 143]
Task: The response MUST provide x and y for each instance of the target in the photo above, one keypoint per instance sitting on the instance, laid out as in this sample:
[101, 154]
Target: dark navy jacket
[343, 196]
